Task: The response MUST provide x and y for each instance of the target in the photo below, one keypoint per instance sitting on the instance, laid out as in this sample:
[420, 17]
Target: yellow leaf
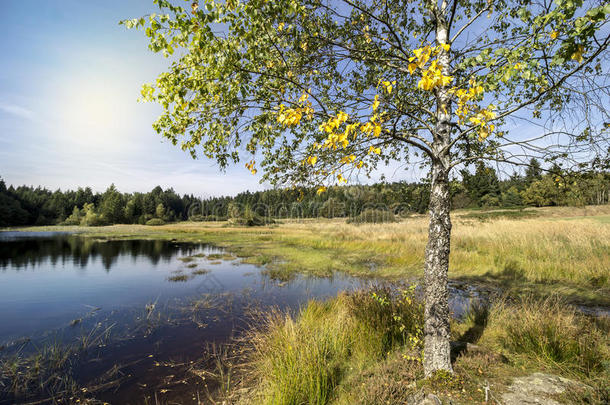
[321, 190]
[554, 34]
[377, 130]
[446, 80]
[446, 47]
[577, 56]
[376, 102]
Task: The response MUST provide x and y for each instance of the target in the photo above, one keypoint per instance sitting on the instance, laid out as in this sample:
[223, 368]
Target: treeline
[39, 206]
[479, 187]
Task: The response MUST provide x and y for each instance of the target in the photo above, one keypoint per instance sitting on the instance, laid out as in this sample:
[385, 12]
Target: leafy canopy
[320, 91]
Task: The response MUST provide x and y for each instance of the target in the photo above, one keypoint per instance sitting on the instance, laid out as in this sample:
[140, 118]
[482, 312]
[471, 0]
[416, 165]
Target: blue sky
[70, 77]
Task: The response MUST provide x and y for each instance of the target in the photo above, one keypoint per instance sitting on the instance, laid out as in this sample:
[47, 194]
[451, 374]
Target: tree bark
[436, 327]
[437, 353]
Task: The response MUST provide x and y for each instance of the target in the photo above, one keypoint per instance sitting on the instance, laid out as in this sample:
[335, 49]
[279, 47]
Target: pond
[144, 305]
[130, 321]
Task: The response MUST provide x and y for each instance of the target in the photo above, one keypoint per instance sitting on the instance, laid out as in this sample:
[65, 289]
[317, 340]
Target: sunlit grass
[558, 249]
[360, 348]
[303, 359]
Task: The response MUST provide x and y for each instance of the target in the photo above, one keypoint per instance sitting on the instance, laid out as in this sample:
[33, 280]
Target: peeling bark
[436, 327]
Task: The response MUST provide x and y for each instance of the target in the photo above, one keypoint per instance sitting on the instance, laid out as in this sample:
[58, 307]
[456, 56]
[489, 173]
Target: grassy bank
[559, 250]
[365, 348]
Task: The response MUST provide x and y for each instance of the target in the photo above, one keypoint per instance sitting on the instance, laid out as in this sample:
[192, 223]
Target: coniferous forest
[479, 187]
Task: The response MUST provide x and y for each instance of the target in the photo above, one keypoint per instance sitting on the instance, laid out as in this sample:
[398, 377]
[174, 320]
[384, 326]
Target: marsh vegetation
[520, 283]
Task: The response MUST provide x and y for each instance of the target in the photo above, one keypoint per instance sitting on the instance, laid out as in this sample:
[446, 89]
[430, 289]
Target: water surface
[146, 305]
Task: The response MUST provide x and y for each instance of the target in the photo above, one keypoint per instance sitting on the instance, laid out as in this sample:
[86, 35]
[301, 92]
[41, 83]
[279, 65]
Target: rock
[536, 389]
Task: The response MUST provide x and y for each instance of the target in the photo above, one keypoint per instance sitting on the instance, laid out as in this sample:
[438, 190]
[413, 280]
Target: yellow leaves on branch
[432, 76]
[466, 97]
[290, 117]
[250, 166]
[481, 119]
[375, 103]
[348, 159]
[387, 85]
[336, 139]
[366, 33]
[338, 132]
[311, 160]
[372, 127]
[467, 109]
[337, 129]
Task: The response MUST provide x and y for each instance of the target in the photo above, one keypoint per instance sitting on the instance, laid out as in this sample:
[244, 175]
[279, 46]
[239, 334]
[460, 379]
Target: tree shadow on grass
[512, 281]
[479, 314]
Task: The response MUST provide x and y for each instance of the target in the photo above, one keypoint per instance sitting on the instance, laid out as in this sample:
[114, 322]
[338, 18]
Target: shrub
[489, 200]
[250, 218]
[197, 218]
[155, 222]
[93, 219]
[74, 219]
[90, 217]
[373, 217]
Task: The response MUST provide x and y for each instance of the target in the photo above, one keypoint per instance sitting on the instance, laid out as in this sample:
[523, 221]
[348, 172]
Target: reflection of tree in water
[24, 252]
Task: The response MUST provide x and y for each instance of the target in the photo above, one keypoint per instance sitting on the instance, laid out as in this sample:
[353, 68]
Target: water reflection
[21, 252]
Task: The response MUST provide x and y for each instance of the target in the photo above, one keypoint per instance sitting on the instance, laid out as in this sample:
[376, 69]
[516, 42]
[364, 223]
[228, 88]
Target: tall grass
[302, 359]
[549, 334]
[365, 347]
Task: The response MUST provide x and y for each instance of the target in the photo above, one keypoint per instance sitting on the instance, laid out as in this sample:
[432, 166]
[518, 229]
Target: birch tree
[324, 91]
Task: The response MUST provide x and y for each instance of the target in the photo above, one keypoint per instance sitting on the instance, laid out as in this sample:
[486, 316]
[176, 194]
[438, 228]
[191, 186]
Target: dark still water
[134, 319]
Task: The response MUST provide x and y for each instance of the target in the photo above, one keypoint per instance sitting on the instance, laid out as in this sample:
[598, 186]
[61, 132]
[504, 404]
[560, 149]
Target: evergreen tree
[112, 206]
[533, 171]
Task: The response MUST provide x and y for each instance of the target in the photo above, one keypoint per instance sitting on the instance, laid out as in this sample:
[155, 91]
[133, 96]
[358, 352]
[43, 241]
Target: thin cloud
[18, 111]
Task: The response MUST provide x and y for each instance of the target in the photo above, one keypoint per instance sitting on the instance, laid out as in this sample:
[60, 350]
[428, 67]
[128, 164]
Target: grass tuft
[302, 359]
